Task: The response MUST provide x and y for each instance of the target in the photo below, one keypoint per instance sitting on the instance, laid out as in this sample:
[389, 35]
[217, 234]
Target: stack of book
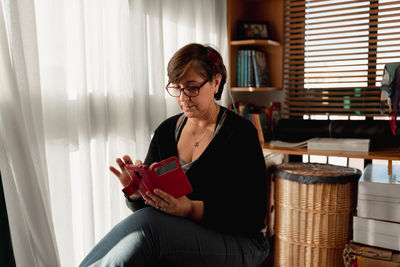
[378, 209]
[339, 144]
[263, 118]
[259, 116]
[329, 144]
[252, 69]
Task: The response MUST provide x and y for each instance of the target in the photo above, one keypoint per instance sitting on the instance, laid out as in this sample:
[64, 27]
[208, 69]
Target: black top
[229, 176]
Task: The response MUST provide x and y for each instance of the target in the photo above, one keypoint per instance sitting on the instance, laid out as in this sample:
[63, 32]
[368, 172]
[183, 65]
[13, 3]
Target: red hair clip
[213, 58]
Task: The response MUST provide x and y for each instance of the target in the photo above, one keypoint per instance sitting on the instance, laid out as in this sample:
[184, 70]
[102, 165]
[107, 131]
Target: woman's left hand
[163, 201]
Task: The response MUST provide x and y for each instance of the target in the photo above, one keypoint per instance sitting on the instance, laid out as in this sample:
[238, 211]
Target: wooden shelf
[254, 89]
[384, 154]
[255, 42]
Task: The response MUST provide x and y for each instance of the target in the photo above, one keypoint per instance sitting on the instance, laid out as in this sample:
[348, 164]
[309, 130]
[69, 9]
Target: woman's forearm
[197, 210]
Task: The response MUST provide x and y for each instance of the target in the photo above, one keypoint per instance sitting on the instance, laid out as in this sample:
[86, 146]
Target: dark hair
[204, 59]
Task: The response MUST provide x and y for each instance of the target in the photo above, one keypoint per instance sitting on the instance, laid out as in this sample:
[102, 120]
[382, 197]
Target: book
[262, 69]
[259, 116]
[243, 68]
[256, 78]
[377, 233]
[246, 72]
[382, 209]
[239, 68]
[339, 144]
[376, 181]
[278, 143]
[166, 175]
[379, 193]
[256, 119]
[250, 67]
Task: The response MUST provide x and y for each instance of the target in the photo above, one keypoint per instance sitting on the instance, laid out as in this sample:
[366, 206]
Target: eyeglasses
[190, 91]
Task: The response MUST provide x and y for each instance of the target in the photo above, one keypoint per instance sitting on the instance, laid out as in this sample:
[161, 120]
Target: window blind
[334, 55]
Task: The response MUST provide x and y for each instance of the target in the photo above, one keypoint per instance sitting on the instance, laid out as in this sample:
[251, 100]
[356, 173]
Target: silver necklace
[196, 143]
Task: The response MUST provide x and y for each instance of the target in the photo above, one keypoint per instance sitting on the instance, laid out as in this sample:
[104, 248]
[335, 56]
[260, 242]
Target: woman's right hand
[123, 175]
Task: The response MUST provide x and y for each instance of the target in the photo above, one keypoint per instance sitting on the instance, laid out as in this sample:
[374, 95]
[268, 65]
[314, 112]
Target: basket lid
[312, 173]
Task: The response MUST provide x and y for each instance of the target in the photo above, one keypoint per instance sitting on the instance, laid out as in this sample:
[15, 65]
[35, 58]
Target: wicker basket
[313, 217]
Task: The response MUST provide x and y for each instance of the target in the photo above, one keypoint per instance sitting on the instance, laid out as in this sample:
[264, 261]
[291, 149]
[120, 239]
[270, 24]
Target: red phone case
[166, 175]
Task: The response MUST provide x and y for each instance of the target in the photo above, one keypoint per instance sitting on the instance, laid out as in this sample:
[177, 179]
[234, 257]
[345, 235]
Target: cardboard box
[369, 262]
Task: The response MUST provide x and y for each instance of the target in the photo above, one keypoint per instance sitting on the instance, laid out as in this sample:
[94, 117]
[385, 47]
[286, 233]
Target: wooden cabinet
[270, 11]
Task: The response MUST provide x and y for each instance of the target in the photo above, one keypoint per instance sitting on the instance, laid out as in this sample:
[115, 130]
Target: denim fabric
[151, 238]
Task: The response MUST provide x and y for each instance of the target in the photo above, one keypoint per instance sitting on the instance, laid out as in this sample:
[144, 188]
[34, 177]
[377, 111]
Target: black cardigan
[229, 176]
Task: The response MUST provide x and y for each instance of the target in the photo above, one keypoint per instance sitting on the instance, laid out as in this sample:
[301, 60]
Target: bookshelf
[270, 11]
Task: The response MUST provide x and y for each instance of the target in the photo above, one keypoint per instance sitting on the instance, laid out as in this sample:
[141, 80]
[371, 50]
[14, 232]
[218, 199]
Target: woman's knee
[134, 238]
[156, 225]
[148, 220]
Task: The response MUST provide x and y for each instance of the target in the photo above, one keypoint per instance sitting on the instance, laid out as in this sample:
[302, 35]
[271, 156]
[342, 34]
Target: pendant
[196, 144]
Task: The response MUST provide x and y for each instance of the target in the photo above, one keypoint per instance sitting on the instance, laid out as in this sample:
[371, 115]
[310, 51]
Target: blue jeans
[149, 237]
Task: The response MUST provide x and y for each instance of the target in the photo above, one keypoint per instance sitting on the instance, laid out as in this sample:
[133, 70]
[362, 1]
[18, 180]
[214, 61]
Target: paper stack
[378, 208]
[379, 193]
[328, 144]
[340, 144]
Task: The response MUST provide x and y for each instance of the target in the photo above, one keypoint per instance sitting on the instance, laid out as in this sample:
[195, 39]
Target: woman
[219, 223]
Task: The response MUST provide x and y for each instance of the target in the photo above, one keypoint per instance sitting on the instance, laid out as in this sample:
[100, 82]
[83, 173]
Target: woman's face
[203, 103]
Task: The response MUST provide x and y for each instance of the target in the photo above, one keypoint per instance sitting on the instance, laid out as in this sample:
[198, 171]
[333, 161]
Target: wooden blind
[334, 55]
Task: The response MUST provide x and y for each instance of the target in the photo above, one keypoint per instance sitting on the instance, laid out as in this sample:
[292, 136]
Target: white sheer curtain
[22, 143]
[81, 84]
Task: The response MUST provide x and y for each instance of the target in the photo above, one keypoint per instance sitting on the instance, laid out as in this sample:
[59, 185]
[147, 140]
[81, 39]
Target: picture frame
[253, 30]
